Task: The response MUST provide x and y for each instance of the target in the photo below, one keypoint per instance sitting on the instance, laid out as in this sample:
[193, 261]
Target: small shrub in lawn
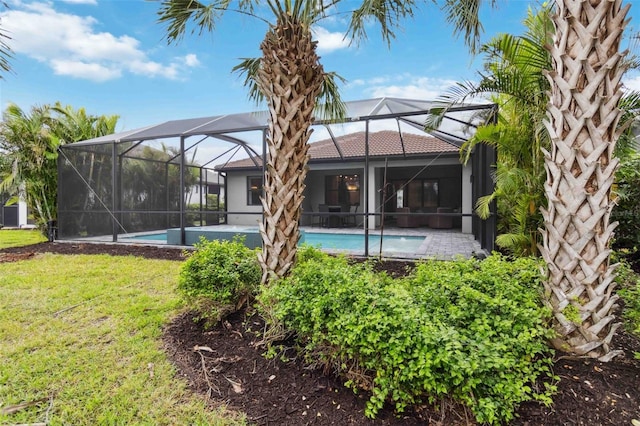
[471, 330]
[218, 277]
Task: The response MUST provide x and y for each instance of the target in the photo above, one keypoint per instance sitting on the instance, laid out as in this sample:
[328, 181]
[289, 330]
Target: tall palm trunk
[582, 121]
[290, 79]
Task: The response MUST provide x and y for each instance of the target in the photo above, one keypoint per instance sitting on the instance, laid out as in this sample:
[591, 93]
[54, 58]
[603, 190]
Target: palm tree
[290, 77]
[579, 150]
[74, 125]
[513, 77]
[30, 142]
[583, 118]
[29, 146]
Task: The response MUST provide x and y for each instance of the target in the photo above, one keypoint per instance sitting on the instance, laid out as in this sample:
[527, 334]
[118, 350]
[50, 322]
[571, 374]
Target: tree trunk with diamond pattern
[582, 121]
[290, 78]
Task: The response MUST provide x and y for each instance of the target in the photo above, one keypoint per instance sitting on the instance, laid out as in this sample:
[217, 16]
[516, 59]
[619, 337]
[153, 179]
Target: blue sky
[111, 57]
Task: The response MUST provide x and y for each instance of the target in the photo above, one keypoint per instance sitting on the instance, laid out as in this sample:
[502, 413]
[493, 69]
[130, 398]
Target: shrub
[627, 210]
[471, 330]
[218, 277]
[629, 290]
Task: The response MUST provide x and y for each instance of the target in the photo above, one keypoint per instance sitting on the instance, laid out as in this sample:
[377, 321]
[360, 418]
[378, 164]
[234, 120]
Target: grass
[81, 334]
[19, 238]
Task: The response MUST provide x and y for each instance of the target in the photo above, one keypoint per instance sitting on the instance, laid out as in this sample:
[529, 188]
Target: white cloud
[632, 83]
[191, 60]
[328, 41]
[90, 71]
[403, 86]
[154, 69]
[91, 2]
[70, 45]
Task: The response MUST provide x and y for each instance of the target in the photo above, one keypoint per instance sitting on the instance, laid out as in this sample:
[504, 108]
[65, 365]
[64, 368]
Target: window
[342, 189]
[421, 193]
[430, 193]
[254, 190]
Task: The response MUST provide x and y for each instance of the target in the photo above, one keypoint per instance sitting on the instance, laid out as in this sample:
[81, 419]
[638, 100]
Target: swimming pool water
[355, 242]
[348, 242]
[160, 236]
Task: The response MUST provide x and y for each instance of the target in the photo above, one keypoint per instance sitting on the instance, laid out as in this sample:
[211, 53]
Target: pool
[348, 243]
[355, 242]
[160, 236]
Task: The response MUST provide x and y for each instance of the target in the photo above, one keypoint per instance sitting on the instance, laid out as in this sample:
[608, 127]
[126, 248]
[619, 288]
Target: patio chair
[351, 218]
[441, 222]
[316, 217]
[405, 221]
[323, 215]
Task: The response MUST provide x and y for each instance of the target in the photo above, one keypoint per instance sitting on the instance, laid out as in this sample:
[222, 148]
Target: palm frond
[628, 125]
[177, 14]
[539, 24]
[488, 134]
[514, 242]
[330, 104]
[387, 13]
[249, 68]
[483, 205]
[453, 95]
[464, 15]
[519, 51]
[5, 50]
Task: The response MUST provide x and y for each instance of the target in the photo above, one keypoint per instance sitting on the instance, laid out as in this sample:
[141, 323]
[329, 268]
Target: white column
[22, 213]
[371, 188]
[467, 201]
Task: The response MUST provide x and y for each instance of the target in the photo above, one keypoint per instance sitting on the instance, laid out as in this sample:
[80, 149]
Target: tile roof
[386, 143]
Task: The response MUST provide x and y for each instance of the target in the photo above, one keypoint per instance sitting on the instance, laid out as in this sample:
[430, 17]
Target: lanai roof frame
[410, 111]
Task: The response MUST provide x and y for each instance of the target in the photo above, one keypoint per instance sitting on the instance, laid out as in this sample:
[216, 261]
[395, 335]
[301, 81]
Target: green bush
[627, 210]
[629, 290]
[471, 330]
[218, 277]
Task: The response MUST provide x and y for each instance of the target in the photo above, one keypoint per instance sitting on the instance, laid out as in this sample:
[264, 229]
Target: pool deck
[441, 244]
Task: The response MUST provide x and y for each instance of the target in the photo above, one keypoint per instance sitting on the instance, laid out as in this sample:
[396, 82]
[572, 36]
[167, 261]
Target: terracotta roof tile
[381, 144]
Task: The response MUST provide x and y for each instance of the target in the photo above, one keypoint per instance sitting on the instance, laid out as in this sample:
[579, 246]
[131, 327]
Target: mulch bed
[227, 366]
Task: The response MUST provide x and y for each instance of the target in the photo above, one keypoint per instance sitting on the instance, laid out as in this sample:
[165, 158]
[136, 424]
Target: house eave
[359, 159]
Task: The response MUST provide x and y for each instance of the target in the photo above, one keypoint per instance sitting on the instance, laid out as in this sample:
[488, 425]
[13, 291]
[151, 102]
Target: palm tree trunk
[290, 79]
[582, 121]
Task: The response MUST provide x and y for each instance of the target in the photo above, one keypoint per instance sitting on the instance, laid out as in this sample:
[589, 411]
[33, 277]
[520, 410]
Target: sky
[112, 57]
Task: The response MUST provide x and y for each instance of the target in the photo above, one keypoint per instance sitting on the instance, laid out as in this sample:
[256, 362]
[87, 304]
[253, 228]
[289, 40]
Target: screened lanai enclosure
[162, 182]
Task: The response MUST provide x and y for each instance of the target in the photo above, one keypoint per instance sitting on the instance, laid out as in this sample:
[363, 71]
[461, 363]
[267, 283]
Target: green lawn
[19, 238]
[81, 334]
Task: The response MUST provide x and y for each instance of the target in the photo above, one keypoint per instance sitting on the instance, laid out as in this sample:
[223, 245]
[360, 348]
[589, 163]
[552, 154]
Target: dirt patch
[283, 391]
[277, 392]
[226, 365]
[149, 252]
[15, 257]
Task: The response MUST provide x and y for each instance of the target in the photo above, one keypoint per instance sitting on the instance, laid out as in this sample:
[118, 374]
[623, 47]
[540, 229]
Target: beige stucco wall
[315, 193]
[236, 200]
